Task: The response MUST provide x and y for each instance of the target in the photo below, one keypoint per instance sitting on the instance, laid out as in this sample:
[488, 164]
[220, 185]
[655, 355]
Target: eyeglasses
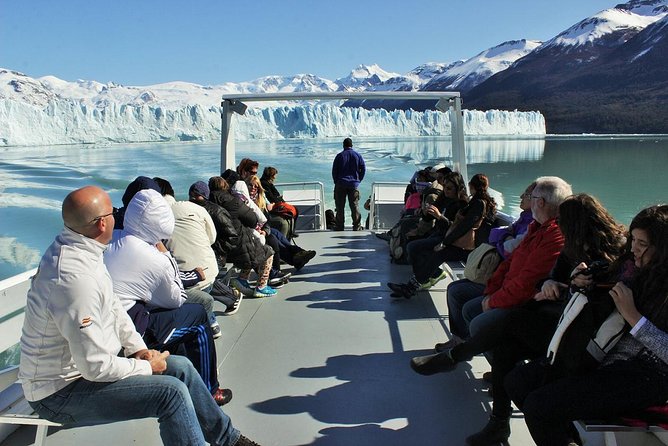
[100, 217]
[252, 172]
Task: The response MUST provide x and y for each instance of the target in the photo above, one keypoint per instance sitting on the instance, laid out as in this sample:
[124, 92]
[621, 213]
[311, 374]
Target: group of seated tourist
[169, 261]
[562, 245]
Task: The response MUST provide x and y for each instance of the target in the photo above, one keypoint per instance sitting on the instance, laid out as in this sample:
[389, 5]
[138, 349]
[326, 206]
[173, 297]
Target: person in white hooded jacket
[146, 280]
[74, 329]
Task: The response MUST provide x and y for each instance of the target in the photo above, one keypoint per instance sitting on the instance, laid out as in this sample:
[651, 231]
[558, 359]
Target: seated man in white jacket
[74, 329]
[146, 280]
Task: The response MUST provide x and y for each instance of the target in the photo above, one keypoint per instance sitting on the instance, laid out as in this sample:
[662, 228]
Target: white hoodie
[74, 324]
[138, 269]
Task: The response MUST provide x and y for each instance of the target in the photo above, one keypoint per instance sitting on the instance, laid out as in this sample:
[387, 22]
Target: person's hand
[270, 206]
[159, 362]
[200, 272]
[439, 247]
[551, 290]
[160, 247]
[141, 354]
[581, 280]
[623, 297]
[433, 211]
[485, 304]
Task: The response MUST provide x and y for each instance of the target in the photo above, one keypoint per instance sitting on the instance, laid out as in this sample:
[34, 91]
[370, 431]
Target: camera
[595, 269]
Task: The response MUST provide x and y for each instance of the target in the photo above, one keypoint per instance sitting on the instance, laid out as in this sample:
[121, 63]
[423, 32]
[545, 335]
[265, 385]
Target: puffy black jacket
[249, 251]
[227, 236]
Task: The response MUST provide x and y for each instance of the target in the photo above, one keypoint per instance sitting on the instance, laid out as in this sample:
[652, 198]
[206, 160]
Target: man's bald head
[82, 210]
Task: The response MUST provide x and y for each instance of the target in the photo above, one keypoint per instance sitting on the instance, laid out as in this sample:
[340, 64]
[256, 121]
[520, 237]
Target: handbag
[481, 263]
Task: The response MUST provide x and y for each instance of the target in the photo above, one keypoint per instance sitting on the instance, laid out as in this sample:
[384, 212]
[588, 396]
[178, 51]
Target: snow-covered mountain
[464, 75]
[586, 79]
[364, 77]
[611, 27]
[461, 75]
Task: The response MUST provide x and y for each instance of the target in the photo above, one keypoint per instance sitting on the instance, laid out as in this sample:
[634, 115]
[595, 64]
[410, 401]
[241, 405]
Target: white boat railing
[309, 199]
[387, 202]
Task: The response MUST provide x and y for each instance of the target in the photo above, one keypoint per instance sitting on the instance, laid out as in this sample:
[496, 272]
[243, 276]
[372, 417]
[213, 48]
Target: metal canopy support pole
[227, 146]
[457, 130]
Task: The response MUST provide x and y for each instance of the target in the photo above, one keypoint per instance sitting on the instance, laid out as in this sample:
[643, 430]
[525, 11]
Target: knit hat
[199, 188]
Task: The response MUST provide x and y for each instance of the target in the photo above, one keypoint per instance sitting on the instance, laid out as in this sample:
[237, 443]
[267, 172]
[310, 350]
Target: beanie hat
[199, 188]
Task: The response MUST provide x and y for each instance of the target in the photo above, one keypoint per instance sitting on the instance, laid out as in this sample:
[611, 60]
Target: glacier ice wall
[70, 122]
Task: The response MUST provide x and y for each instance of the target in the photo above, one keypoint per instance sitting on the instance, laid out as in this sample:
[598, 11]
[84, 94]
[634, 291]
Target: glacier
[66, 121]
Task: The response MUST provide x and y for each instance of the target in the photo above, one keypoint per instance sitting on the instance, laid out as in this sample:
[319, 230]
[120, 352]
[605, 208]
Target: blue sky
[145, 42]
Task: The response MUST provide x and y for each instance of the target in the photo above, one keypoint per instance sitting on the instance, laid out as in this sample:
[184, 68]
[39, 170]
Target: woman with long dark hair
[470, 227]
[634, 375]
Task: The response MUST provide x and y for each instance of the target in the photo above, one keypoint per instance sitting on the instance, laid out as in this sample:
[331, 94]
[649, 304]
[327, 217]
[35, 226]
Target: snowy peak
[363, 77]
[426, 72]
[611, 27]
[464, 75]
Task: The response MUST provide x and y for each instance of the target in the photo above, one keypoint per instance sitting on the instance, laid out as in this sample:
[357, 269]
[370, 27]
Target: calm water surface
[625, 173]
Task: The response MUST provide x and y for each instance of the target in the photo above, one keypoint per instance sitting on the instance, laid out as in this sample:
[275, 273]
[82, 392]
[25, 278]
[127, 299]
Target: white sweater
[190, 244]
[74, 324]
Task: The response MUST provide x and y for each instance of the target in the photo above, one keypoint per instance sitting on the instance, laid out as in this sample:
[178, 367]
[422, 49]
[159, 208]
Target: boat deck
[326, 362]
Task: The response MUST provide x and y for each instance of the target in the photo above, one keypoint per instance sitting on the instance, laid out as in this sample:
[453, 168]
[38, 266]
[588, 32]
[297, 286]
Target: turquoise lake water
[625, 173]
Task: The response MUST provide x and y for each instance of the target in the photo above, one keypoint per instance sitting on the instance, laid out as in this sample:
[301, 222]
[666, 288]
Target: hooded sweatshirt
[139, 271]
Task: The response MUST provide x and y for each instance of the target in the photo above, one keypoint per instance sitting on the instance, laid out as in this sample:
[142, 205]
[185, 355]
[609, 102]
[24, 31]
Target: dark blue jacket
[348, 169]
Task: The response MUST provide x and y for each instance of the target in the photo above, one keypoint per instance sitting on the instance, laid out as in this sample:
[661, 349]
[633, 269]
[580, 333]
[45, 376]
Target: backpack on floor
[398, 239]
[588, 329]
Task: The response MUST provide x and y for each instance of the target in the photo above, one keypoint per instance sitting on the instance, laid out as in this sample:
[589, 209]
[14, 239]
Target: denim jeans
[203, 298]
[459, 293]
[180, 401]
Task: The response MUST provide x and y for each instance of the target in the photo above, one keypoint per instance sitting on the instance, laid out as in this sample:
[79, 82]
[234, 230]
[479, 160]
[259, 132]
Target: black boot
[495, 432]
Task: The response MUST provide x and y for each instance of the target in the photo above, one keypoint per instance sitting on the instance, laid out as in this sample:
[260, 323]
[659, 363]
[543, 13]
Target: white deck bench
[622, 435]
[16, 407]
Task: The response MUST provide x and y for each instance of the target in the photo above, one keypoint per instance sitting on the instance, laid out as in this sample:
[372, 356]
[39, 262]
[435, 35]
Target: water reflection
[625, 173]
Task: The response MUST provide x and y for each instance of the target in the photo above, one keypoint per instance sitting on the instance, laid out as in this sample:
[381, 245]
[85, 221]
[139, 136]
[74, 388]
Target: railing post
[227, 145]
[457, 131]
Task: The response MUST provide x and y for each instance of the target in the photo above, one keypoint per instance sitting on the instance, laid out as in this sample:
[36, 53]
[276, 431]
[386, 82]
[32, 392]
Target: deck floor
[325, 362]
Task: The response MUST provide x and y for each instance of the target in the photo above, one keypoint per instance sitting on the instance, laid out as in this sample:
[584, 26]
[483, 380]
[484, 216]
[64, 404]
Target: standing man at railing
[348, 172]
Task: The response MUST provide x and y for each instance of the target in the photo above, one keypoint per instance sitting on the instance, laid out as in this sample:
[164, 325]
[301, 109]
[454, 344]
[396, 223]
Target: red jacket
[514, 281]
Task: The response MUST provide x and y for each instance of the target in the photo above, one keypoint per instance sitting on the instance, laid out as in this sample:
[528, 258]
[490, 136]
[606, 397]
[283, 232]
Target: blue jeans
[478, 321]
[203, 298]
[459, 293]
[180, 401]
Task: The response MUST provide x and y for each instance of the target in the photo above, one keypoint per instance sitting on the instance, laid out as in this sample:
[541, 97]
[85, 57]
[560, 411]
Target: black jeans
[550, 403]
[353, 196]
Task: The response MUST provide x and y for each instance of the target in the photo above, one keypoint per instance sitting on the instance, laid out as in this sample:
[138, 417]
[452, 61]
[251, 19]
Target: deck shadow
[384, 402]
